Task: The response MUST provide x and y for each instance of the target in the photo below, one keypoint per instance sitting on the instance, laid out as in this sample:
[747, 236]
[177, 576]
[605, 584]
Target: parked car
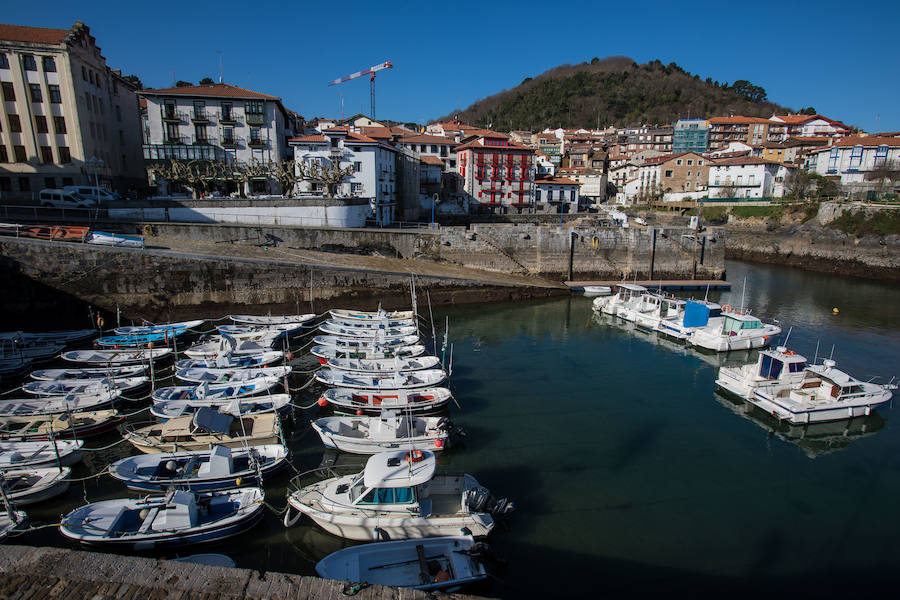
[102, 195]
[65, 199]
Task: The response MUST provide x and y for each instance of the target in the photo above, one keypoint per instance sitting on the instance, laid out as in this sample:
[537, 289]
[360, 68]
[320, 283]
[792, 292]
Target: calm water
[629, 473]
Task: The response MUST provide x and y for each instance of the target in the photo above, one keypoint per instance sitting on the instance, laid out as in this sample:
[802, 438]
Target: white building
[747, 177]
[437, 146]
[374, 168]
[810, 126]
[854, 159]
[218, 122]
[556, 195]
[66, 118]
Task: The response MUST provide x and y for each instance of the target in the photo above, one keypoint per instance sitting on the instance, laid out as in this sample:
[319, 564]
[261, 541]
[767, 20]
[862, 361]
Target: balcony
[200, 117]
[171, 115]
[231, 142]
[162, 153]
[257, 143]
[229, 118]
[256, 119]
[202, 142]
[182, 140]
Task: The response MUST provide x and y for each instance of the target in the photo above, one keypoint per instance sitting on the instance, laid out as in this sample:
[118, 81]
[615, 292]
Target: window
[255, 107]
[4, 157]
[35, 92]
[14, 124]
[699, 163]
[357, 167]
[434, 148]
[118, 113]
[9, 93]
[690, 162]
[64, 156]
[668, 173]
[24, 184]
[200, 133]
[121, 137]
[5, 184]
[228, 135]
[226, 111]
[50, 182]
[355, 188]
[687, 185]
[48, 64]
[881, 155]
[91, 76]
[334, 140]
[55, 97]
[739, 178]
[28, 62]
[255, 137]
[856, 157]
[83, 73]
[678, 162]
[40, 123]
[688, 173]
[171, 133]
[833, 157]
[68, 181]
[750, 180]
[4, 61]
[199, 108]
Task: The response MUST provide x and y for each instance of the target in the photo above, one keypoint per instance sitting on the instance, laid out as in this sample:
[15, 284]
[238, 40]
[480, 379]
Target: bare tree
[885, 175]
[727, 191]
[798, 184]
[330, 175]
[288, 176]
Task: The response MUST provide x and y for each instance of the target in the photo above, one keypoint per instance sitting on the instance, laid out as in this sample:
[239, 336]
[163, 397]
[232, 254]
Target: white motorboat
[419, 400]
[375, 315]
[774, 368]
[385, 365]
[89, 373]
[592, 291]
[440, 563]
[656, 309]
[353, 343]
[177, 519]
[171, 328]
[231, 361]
[219, 468]
[272, 319]
[30, 486]
[390, 430]
[395, 381]
[696, 314]
[61, 387]
[218, 375]
[326, 353]
[399, 494]
[218, 391]
[116, 357]
[623, 294]
[105, 238]
[253, 405]
[204, 429]
[57, 405]
[737, 331]
[32, 455]
[10, 521]
[377, 334]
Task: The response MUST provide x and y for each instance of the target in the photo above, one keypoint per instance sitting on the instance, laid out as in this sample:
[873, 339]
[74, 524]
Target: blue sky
[838, 57]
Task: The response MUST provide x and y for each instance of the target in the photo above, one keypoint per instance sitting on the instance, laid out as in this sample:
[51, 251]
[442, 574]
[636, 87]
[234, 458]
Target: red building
[497, 174]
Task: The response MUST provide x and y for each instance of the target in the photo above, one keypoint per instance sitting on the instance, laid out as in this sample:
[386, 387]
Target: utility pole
[696, 240]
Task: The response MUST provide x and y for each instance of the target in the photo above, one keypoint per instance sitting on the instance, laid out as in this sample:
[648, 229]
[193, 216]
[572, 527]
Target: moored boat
[736, 331]
[395, 381]
[159, 328]
[252, 405]
[372, 402]
[218, 391]
[390, 333]
[66, 425]
[375, 315]
[233, 375]
[230, 361]
[21, 455]
[272, 319]
[385, 365]
[104, 238]
[116, 357]
[60, 387]
[55, 405]
[325, 353]
[33, 485]
[390, 430]
[204, 429]
[88, 373]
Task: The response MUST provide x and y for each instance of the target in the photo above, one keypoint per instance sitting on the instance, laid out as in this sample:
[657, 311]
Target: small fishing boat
[326, 353]
[10, 521]
[218, 375]
[16, 346]
[399, 494]
[13, 367]
[177, 519]
[89, 373]
[353, 343]
[254, 405]
[230, 361]
[385, 365]
[251, 331]
[134, 340]
[160, 328]
[66, 425]
[592, 291]
[104, 238]
[53, 405]
[66, 233]
[439, 563]
[32, 455]
[204, 429]
[696, 314]
[220, 346]
[68, 336]
[390, 430]
[421, 400]
[272, 319]
[357, 324]
[390, 333]
[30, 486]
[220, 468]
[116, 357]
[218, 391]
[623, 294]
[57, 387]
[737, 331]
[395, 381]
[375, 315]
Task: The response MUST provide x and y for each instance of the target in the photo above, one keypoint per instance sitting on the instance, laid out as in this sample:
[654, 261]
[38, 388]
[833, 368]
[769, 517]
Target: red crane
[371, 72]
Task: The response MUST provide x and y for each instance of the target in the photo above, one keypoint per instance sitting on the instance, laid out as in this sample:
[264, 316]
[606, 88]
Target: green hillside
[614, 91]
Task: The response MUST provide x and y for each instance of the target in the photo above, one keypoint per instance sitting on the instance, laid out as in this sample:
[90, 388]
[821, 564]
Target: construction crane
[371, 72]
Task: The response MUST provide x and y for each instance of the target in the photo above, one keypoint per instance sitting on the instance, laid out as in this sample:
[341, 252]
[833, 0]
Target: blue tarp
[695, 314]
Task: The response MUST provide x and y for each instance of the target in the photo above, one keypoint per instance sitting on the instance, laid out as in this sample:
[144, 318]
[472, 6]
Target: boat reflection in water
[815, 439]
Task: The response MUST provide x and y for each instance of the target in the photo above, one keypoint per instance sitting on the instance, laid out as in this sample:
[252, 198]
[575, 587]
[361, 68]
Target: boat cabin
[835, 383]
[738, 324]
[628, 291]
[779, 363]
[698, 314]
[390, 479]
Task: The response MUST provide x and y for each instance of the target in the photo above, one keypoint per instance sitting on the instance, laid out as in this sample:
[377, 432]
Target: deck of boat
[669, 285]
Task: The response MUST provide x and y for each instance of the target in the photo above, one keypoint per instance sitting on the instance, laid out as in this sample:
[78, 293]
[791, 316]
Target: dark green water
[629, 473]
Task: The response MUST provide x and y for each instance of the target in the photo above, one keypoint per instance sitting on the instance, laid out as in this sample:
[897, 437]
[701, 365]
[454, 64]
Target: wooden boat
[135, 340]
[88, 373]
[21, 455]
[220, 468]
[356, 324]
[116, 357]
[84, 386]
[218, 347]
[272, 319]
[352, 343]
[216, 392]
[67, 425]
[399, 494]
[204, 429]
[177, 519]
[422, 400]
[439, 563]
[30, 486]
[217, 375]
[592, 291]
[389, 333]
[390, 430]
[11, 521]
[159, 328]
[326, 353]
[395, 381]
[376, 315]
[17, 346]
[63, 233]
[68, 336]
[13, 367]
[384, 365]
[104, 238]
[254, 405]
[278, 330]
[230, 361]
[54, 405]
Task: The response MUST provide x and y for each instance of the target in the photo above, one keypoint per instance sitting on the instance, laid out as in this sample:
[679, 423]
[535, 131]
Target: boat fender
[442, 576]
[288, 521]
[595, 242]
[415, 456]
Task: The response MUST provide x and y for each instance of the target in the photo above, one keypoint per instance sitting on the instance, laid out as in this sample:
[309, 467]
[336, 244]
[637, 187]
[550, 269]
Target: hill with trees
[615, 91]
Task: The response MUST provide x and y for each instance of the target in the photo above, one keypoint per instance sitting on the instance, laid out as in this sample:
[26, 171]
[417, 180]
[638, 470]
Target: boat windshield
[402, 495]
[770, 368]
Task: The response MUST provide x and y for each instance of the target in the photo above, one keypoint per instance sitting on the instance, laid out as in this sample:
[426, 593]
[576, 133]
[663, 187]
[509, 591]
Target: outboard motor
[445, 424]
[481, 500]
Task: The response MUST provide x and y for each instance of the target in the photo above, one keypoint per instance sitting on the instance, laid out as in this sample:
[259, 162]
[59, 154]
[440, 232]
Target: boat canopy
[212, 420]
[696, 314]
[399, 469]
[631, 287]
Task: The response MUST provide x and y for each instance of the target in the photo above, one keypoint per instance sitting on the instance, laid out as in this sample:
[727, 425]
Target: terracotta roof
[474, 144]
[215, 90]
[426, 139]
[555, 180]
[771, 146]
[309, 139]
[656, 160]
[385, 133]
[35, 35]
[869, 141]
[739, 119]
[801, 119]
[431, 160]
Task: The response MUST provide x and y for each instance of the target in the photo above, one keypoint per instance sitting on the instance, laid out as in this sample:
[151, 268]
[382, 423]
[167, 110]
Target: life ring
[99, 322]
[595, 243]
[789, 353]
[726, 308]
[414, 456]
[288, 521]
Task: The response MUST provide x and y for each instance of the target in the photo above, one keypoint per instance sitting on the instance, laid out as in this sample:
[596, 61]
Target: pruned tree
[885, 175]
[727, 191]
[798, 184]
[287, 175]
[330, 175]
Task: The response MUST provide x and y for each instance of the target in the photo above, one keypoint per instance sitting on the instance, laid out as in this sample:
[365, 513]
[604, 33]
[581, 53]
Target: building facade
[497, 175]
[672, 174]
[66, 117]
[690, 135]
[747, 177]
[858, 162]
[556, 195]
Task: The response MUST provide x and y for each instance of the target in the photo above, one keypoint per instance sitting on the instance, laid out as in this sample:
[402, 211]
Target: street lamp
[434, 201]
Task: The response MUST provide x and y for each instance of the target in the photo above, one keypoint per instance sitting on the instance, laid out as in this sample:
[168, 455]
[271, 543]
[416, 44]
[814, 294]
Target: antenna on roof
[219, 52]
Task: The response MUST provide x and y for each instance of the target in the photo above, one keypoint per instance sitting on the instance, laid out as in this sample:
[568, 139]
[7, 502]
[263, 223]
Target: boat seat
[148, 520]
[180, 514]
[220, 463]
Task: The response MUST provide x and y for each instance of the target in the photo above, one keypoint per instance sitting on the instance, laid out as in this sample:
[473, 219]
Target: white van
[88, 191]
[65, 199]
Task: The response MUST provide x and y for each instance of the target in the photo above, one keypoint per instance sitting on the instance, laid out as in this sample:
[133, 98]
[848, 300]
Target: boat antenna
[816, 357]
[743, 291]
[831, 357]
[431, 315]
[788, 336]
[706, 295]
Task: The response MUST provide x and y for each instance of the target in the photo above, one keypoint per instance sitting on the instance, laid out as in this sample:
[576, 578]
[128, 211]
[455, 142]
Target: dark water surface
[629, 473]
